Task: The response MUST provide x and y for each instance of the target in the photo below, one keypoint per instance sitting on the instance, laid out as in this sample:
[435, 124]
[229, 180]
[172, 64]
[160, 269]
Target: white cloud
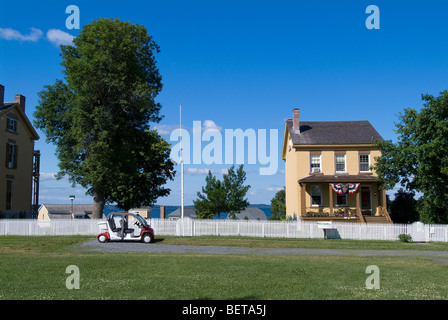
[165, 129]
[211, 125]
[55, 36]
[11, 34]
[273, 189]
[59, 37]
[197, 171]
[44, 176]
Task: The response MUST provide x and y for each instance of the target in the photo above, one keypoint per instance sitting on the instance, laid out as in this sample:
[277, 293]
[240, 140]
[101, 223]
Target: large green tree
[226, 196]
[99, 117]
[403, 209]
[419, 159]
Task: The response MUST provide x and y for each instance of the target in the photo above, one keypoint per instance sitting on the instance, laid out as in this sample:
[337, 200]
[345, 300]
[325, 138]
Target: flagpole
[181, 167]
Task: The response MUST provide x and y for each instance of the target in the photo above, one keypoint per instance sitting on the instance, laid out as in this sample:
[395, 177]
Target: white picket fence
[278, 229]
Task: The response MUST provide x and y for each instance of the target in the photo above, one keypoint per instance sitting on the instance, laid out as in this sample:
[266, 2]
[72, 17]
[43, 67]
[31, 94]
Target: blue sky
[245, 64]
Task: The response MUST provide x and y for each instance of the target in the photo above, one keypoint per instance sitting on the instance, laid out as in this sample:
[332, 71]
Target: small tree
[227, 195]
[235, 190]
[212, 200]
[278, 206]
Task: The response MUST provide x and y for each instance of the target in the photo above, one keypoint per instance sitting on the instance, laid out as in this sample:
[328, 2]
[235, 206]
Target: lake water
[155, 212]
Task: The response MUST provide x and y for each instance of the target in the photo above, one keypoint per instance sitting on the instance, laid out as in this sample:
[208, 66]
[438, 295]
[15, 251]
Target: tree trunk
[98, 204]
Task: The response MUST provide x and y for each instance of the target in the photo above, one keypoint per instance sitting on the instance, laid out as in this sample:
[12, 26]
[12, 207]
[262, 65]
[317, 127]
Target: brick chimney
[2, 94]
[21, 101]
[296, 120]
[162, 212]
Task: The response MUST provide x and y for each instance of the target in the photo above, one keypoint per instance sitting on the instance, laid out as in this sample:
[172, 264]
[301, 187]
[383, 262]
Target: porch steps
[375, 219]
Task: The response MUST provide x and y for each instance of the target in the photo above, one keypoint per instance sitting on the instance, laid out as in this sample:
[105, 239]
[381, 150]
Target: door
[366, 203]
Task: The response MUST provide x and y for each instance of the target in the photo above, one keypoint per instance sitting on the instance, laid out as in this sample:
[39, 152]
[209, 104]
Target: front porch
[342, 198]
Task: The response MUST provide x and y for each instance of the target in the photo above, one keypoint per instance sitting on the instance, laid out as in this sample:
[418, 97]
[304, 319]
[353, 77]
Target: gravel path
[121, 247]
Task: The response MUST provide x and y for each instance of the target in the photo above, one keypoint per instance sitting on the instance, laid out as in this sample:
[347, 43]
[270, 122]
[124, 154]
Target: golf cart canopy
[124, 214]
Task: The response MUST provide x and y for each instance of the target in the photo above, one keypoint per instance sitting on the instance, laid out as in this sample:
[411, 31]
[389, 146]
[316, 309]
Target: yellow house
[17, 137]
[328, 171]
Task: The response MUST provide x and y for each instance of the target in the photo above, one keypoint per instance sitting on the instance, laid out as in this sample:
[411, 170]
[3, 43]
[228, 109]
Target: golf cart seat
[128, 230]
[112, 225]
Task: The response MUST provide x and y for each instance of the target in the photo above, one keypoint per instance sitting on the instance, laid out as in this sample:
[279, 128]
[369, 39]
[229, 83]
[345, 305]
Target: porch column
[358, 201]
[384, 199]
[331, 201]
[302, 199]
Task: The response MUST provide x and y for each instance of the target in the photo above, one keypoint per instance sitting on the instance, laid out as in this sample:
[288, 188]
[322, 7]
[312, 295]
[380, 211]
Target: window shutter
[7, 155]
[16, 149]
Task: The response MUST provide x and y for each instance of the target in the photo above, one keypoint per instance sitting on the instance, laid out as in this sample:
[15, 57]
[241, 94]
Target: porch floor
[366, 219]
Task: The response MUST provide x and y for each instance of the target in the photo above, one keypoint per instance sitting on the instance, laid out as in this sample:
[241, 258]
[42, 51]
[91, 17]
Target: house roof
[251, 213]
[333, 133]
[64, 211]
[338, 178]
[188, 212]
[9, 106]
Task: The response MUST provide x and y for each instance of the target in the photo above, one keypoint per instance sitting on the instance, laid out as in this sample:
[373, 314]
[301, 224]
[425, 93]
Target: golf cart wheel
[102, 238]
[147, 238]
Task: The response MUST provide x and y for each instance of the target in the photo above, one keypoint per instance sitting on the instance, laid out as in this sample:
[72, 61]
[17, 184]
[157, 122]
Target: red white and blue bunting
[345, 188]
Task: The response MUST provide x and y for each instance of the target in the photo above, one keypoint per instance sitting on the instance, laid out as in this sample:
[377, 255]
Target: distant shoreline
[155, 210]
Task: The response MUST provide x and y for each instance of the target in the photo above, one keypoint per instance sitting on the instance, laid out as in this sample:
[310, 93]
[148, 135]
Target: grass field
[34, 268]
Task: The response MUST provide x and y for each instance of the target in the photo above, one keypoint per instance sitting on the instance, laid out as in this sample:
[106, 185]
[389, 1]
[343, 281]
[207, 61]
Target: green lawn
[34, 268]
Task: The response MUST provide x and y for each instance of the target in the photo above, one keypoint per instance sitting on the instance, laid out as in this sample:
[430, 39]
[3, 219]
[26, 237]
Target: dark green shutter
[16, 154]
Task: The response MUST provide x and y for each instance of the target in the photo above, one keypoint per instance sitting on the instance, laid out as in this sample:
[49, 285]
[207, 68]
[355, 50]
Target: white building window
[11, 156]
[316, 196]
[340, 162]
[11, 125]
[364, 162]
[315, 163]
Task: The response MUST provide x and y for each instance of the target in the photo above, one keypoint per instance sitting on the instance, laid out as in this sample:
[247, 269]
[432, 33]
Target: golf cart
[122, 226]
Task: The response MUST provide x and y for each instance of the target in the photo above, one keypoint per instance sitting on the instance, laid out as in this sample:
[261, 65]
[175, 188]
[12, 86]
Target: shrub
[405, 237]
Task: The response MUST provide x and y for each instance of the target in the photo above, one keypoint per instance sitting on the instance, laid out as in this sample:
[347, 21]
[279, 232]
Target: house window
[11, 156]
[340, 162]
[341, 200]
[315, 163]
[316, 196]
[11, 125]
[9, 185]
[364, 162]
